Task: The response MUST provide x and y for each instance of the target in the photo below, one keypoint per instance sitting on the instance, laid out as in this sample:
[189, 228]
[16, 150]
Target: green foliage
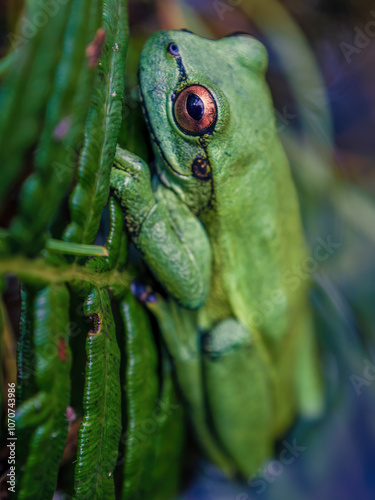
[154, 433]
[91, 192]
[62, 128]
[101, 426]
[61, 100]
[25, 94]
[44, 412]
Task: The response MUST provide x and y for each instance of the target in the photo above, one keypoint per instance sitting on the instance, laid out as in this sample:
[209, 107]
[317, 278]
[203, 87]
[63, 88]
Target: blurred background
[321, 75]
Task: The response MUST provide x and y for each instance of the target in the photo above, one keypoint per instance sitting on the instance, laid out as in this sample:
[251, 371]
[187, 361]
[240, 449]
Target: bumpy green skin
[226, 247]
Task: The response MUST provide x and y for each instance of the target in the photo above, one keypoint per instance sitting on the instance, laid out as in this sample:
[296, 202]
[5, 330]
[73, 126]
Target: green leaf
[141, 393]
[91, 192]
[64, 247]
[154, 417]
[26, 90]
[66, 111]
[114, 240]
[45, 412]
[100, 431]
[165, 471]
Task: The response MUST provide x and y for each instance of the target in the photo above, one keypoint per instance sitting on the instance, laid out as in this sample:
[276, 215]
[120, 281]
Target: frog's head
[204, 103]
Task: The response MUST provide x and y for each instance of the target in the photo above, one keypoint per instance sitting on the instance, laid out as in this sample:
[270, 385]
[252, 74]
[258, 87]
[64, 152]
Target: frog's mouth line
[154, 137]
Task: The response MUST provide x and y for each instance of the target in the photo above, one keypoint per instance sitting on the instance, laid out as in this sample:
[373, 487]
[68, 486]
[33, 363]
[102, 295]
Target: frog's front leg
[238, 389]
[171, 239]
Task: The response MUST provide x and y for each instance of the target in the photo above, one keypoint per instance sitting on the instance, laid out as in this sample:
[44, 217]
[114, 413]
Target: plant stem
[38, 271]
[66, 248]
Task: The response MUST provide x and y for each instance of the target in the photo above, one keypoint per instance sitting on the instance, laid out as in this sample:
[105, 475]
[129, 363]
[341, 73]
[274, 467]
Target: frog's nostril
[173, 49]
[201, 168]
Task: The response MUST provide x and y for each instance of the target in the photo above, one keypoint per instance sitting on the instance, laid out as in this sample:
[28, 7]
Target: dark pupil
[195, 107]
[173, 49]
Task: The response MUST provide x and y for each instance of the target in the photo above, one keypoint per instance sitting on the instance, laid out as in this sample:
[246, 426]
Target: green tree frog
[219, 226]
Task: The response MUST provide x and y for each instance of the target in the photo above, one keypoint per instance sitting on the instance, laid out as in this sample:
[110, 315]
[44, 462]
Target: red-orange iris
[195, 110]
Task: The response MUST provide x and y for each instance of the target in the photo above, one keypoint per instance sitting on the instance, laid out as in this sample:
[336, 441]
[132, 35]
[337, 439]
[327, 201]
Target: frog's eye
[195, 110]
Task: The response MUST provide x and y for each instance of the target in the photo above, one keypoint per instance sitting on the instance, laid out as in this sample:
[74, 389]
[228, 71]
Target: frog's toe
[130, 163]
[227, 335]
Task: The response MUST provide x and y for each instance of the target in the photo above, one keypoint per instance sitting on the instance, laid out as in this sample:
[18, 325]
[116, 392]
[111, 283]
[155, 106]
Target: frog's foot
[142, 292]
[130, 182]
[239, 394]
[171, 239]
[178, 328]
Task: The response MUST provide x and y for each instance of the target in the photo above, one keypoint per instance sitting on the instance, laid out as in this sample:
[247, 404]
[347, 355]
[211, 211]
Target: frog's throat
[154, 137]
